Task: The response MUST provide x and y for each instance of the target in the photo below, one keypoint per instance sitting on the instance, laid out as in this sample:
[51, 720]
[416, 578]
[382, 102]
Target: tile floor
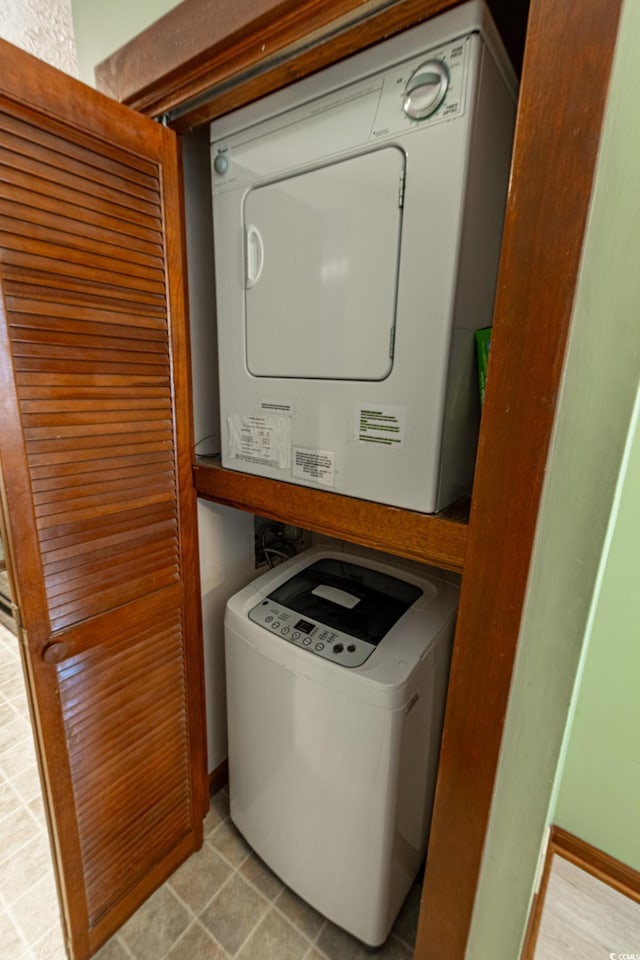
[29, 919]
[222, 903]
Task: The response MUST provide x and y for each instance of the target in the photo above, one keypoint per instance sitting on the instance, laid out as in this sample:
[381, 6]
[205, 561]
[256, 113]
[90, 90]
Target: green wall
[599, 788]
[102, 26]
[596, 403]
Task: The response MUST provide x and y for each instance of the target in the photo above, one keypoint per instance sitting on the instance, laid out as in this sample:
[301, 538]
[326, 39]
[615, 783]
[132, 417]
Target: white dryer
[357, 223]
[337, 670]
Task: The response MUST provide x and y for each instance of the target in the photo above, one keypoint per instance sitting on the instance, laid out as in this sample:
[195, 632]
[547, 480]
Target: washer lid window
[322, 253]
[355, 600]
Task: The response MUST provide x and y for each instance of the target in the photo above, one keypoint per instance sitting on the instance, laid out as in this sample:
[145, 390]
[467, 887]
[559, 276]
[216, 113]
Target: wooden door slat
[67, 318]
[80, 698]
[40, 284]
[108, 832]
[50, 152]
[129, 382]
[99, 150]
[85, 536]
[98, 231]
[18, 192]
[110, 431]
[76, 472]
[105, 509]
[47, 259]
[86, 190]
[42, 408]
[59, 324]
[100, 494]
[101, 242]
[76, 205]
[116, 549]
[128, 473]
[113, 677]
[95, 420]
[104, 263]
[75, 454]
[74, 580]
[81, 548]
[102, 600]
[56, 367]
[98, 834]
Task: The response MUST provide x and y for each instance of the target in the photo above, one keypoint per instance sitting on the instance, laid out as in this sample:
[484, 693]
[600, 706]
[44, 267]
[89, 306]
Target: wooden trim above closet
[202, 59]
[239, 50]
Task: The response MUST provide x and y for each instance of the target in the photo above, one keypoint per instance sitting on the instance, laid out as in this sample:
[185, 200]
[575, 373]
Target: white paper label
[317, 465]
[263, 440]
[381, 424]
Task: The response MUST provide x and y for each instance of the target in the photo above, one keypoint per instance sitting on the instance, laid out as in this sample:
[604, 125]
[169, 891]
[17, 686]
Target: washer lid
[358, 601]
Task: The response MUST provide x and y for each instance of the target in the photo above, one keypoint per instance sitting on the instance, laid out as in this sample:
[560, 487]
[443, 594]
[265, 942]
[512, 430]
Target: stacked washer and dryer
[357, 226]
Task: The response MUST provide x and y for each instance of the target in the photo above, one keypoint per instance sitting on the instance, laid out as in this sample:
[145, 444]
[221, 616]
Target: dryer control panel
[428, 89]
[311, 635]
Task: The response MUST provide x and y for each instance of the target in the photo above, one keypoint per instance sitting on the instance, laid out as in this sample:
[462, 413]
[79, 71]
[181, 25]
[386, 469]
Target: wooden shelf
[439, 540]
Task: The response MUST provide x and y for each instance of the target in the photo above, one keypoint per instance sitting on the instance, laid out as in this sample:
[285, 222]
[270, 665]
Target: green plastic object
[483, 343]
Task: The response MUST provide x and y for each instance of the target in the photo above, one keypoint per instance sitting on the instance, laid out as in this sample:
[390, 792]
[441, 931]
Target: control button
[268, 619]
[220, 164]
[319, 646]
[307, 641]
[351, 648]
[275, 624]
[338, 648]
[284, 631]
[295, 635]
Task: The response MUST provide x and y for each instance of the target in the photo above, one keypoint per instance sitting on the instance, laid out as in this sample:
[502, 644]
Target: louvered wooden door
[95, 453]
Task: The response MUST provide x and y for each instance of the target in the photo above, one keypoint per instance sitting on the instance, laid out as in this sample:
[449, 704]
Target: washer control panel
[334, 645]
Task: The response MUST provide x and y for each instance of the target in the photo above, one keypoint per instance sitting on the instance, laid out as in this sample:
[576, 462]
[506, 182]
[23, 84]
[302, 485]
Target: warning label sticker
[265, 440]
[384, 425]
[317, 465]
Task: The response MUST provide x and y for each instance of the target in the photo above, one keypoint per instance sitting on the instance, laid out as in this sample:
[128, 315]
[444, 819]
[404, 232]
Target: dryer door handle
[254, 256]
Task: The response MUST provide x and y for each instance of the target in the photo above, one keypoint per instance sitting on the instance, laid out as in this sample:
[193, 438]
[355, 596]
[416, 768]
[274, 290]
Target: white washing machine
[358, 220]
[337, 670]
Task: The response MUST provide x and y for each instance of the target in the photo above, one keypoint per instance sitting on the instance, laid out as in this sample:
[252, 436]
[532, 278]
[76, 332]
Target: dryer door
[322, 255]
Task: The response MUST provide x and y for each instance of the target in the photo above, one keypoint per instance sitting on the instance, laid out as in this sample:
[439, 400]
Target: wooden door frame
[568, 56]
[549, 198]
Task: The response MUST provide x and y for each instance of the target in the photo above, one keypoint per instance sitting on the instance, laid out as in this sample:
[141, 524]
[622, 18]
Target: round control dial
[426, 89]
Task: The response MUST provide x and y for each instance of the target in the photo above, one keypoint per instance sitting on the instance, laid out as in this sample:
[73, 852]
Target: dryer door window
[321, 270]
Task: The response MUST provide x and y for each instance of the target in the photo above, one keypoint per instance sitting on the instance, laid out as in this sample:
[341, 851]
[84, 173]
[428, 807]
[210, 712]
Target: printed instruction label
[260, 439]
[381, 424]
[317, 465]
